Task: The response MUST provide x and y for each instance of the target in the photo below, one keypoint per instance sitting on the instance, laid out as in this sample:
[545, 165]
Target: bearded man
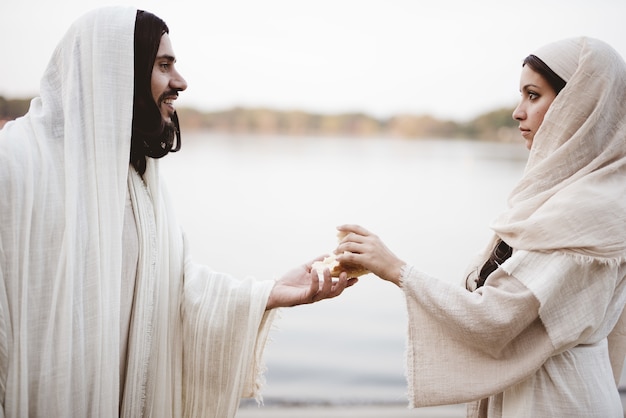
[102, 311]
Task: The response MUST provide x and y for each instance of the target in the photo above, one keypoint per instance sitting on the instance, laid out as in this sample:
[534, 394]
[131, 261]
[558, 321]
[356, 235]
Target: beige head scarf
[572, 196]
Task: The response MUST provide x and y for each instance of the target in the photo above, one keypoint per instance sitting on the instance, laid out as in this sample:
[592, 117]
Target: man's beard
[153, 143]
[167, 141]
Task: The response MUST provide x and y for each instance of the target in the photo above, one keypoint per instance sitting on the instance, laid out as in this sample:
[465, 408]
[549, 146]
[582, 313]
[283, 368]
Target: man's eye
[165, 65]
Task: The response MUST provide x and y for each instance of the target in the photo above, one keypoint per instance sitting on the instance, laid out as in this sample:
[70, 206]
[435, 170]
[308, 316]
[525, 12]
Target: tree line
[496, 125]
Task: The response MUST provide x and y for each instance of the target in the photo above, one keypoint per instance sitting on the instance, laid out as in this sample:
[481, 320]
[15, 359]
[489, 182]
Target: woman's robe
[532, 342]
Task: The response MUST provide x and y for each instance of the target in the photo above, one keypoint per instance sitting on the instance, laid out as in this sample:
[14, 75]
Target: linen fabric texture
[545, 335]
[195, 336]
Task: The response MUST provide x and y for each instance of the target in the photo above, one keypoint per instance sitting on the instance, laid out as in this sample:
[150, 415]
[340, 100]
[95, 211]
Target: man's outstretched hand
[304, 285]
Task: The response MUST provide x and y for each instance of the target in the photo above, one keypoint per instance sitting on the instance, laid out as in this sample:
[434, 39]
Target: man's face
[166, 82]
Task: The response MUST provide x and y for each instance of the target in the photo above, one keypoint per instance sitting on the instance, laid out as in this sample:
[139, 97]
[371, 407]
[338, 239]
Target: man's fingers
[341, 284]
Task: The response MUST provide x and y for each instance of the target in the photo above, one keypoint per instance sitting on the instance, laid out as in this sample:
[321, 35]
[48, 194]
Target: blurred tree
[496, 125]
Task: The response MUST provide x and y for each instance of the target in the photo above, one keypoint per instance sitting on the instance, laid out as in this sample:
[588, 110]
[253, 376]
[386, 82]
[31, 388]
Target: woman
[537, 329]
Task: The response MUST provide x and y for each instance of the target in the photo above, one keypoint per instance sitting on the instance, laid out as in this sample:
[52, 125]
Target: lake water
[260, 206]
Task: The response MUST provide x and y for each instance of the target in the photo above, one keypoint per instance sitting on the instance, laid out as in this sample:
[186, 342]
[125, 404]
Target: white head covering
[572, 196]
[63, 175]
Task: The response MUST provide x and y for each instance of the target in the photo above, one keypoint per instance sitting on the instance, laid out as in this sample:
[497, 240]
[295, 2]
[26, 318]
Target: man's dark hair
[151, 135]
[553, 79]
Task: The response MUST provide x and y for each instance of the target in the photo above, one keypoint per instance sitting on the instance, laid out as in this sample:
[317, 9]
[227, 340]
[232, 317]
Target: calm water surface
[260, 206]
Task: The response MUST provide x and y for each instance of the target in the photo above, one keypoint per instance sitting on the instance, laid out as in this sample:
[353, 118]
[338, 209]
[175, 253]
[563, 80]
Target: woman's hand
[361, 247]
[302, 285]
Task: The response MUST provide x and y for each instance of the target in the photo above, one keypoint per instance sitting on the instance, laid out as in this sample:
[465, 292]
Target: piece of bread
[336, 268]
[331, 263]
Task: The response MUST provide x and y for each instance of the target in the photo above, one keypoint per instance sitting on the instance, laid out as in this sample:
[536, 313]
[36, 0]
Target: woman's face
[537, 96]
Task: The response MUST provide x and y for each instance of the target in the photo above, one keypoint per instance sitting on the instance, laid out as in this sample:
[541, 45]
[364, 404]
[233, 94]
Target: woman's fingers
[352, 228]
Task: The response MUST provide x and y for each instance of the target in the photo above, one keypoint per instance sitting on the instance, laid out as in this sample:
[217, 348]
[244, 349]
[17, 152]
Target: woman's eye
[532, 95]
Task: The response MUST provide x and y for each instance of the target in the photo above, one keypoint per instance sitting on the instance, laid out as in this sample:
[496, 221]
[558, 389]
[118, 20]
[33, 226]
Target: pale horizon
[448, 58]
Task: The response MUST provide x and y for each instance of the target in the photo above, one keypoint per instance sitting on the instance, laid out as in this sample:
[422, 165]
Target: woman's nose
[518, 113]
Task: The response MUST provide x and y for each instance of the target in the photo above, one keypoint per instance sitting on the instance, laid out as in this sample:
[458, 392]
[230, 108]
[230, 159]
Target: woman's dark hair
[537, 65]
[151, 135]
[501, 252]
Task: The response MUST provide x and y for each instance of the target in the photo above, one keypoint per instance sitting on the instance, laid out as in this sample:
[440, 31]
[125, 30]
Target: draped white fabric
[195, 335]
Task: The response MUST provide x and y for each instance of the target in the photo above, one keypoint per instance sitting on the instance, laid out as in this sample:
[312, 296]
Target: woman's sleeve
[462, 345]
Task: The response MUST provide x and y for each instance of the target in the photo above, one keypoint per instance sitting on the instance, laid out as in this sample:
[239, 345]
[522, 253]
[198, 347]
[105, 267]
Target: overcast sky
[450, 58]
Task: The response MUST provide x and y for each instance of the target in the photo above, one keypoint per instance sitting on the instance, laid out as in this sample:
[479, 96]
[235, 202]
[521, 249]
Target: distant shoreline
[496, 125]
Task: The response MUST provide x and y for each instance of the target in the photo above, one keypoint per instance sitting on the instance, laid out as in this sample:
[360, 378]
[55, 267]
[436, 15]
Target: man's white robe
[195, 336]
